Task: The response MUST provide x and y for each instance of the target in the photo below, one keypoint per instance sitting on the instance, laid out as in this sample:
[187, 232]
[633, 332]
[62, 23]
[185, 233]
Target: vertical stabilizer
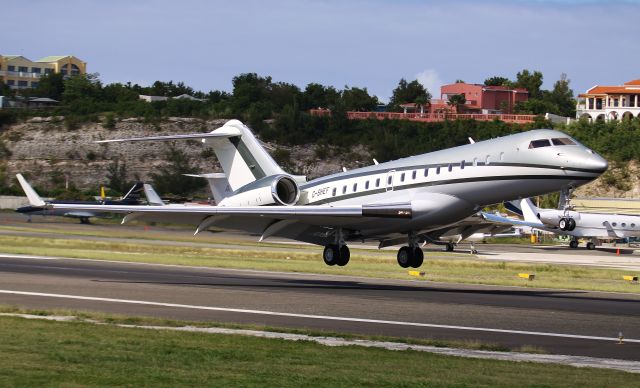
[529, 211]
[218, 183]
[242, 157]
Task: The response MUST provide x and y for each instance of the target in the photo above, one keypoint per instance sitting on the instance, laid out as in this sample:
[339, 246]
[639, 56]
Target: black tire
[418, 258]
[573, 244]
[571, 224]
[563, 224]
[345, 255]
[331, 255]
[449, 247]
[591, 246]
[404, 257]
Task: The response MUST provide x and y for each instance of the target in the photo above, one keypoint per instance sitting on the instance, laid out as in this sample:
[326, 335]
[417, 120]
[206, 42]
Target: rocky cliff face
[45, 150]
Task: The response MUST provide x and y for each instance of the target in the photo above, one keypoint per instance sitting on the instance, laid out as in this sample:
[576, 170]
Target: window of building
[462, 165]
[11, 68]
[48, 71]
[11, 82]
[413, 174]
[23, 84]
[23, 69]
[36, 70]
[333, 192]
[377, 182]
[402, 177]
[34, 84]
[366, 185]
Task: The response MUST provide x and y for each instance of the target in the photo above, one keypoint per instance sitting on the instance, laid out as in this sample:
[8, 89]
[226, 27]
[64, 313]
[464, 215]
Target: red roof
[634, 82]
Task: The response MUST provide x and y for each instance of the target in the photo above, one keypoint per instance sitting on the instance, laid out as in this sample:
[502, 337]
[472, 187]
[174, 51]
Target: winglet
[152, 197]
[34, 198]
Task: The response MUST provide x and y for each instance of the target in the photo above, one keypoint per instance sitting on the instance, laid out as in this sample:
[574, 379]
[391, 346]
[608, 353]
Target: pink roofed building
[485, 99]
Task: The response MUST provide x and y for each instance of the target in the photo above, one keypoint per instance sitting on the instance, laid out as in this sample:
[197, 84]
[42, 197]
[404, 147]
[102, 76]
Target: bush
[109, 121]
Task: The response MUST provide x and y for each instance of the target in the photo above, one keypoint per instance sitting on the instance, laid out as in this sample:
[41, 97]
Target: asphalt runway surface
[558, 321]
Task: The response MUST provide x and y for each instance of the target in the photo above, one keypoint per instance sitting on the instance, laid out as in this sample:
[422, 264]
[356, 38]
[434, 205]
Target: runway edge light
[528, 276]
[630, 278]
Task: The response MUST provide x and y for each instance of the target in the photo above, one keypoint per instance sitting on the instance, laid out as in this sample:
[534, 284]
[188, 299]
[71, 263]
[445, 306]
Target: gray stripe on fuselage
[347, 175]
[341, 197]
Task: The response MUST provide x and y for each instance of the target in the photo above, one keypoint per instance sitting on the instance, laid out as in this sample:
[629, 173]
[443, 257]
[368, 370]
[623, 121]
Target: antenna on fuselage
[344, 169]
[375, 161]
[471, 141]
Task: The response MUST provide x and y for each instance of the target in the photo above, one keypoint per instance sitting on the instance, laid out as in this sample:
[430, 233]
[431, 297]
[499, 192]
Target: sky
[369, 44]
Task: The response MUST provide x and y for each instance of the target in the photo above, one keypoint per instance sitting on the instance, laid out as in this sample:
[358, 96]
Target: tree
[82, 87]
[530, 81]
[249, 88]
[561, 96]
[456, 100]
[319, 96]
[50, 85]
[171, 179]
[358, 99]
[421, 102]
[497, 81]
[407, 92]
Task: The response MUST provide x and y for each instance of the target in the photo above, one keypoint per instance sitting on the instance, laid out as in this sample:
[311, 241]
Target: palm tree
[421, 101]
[456, 100]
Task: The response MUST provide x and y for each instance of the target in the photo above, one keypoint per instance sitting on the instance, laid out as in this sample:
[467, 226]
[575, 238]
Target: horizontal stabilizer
[34, 198]
[224, 132]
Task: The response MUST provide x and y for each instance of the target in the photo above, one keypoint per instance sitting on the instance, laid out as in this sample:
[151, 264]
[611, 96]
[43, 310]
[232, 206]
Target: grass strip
[440, 267]
[76, 353]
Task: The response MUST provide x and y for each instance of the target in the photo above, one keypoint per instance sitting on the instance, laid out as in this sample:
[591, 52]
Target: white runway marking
[310, 316]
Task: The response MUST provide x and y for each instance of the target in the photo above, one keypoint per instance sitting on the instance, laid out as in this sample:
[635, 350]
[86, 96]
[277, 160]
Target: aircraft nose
[597, 163]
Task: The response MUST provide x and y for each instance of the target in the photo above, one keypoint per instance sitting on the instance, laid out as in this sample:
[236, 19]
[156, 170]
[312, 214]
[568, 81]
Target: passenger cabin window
[624, 224]
[487, 160]
[366, 185]
[378, 182]
[438, 170]
[614, 224]
[462, 165]
[539, 143]
[560, 141]
[389, 179]
[402, 177]
[333, 193]
[413, 175]
[344, 189]
[426, 172]
[450, 168]
[355, 187]
[633, 225]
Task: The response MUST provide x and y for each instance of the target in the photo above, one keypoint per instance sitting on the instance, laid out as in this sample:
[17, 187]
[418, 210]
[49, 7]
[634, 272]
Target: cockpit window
[560, 141]
[539, 143]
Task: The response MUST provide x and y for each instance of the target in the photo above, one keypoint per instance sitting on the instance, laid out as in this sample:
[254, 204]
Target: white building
[610, 102]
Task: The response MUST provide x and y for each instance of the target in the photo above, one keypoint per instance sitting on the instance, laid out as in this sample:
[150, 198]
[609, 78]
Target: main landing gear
[573, 243]
[337, 253]
[411, 255]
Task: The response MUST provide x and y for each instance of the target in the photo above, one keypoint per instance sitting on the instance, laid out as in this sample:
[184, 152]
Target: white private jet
[567, 222]
[397, 202]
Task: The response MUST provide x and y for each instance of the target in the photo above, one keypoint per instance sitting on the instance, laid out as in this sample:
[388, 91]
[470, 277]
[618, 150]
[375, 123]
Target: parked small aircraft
[397, 202]
[131, 198]
[594, 226]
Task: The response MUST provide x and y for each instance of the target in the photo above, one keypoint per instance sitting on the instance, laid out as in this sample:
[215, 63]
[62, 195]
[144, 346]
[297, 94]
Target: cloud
[430, 79]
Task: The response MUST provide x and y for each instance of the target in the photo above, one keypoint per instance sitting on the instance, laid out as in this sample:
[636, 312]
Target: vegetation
[80, 354]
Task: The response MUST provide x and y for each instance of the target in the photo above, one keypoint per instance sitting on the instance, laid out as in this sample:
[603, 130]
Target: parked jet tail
[242, 157]
[524, 208]
[152, 197]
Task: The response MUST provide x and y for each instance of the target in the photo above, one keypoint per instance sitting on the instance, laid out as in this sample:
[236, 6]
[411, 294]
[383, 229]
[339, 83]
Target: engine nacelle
[271, 190]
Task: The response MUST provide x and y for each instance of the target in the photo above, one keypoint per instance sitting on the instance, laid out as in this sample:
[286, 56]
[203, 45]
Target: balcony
[19, 74]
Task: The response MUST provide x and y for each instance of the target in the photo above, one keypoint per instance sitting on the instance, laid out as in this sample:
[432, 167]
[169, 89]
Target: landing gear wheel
[331, 254]
[404, 257]
[449, 247]
[573, 244]
[591, 246]
[345, 254]
[563, 224]
[571, 224]
[418, 258]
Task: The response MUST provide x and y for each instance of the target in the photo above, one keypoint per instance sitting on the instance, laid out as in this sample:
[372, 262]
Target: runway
[561, 322]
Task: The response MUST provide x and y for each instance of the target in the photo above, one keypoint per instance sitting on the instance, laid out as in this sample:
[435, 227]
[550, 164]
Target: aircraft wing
[610, 231]
[508, 221]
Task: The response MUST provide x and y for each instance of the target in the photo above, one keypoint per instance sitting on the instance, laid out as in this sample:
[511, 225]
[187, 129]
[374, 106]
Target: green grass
[37, 353]
[440, 266]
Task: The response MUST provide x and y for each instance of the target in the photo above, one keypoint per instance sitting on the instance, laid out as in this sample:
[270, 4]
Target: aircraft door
[389, 181]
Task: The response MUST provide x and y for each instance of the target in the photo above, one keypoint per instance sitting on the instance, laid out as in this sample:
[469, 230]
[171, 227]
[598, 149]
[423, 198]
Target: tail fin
[134, 192]
[34, 198]
[218, 183]
[242, 157]
[152, 197]
[529, 211]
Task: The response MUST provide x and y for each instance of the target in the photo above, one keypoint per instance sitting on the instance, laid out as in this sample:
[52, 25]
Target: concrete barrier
[12, 202]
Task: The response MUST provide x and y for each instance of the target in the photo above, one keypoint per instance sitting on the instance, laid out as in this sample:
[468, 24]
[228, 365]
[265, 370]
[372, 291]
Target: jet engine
[271, 190]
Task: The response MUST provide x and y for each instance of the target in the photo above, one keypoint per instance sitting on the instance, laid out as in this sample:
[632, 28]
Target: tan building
[19, 72]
